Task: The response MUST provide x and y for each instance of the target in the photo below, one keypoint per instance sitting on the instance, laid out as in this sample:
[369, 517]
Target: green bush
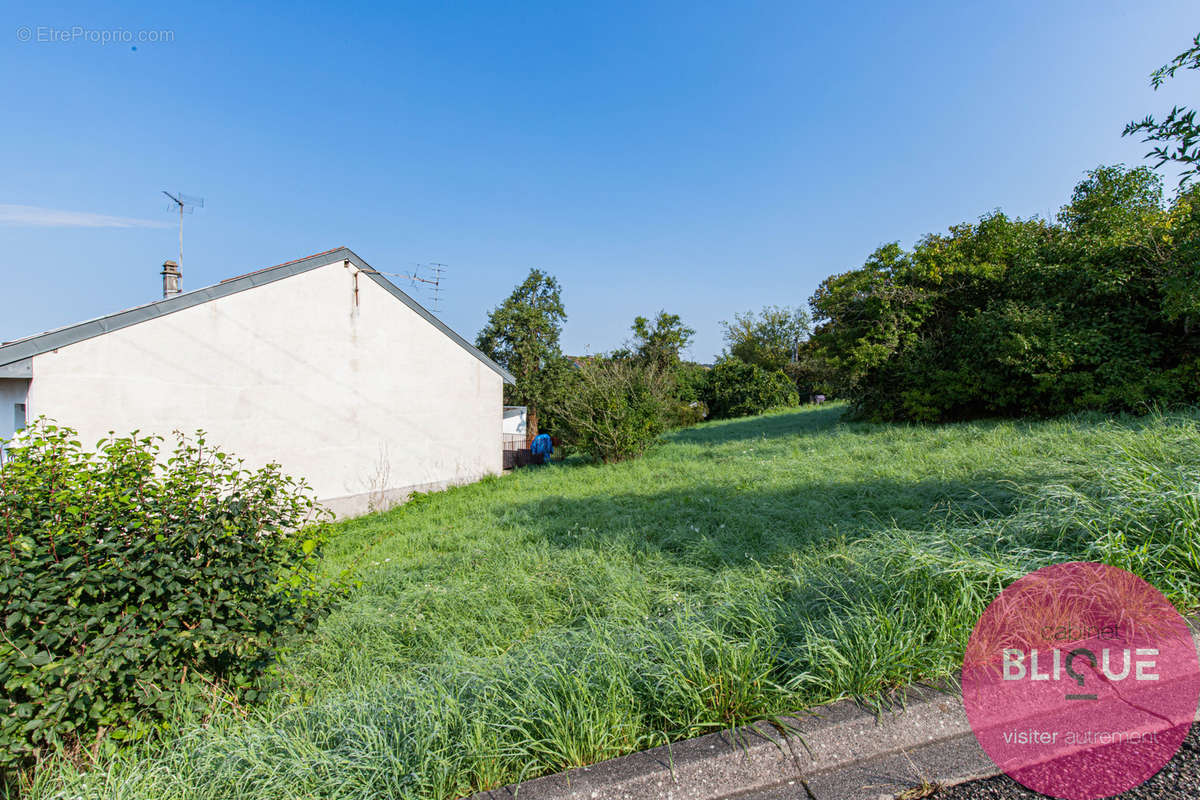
[679, 414]
[126, 576]
[690, 378]
[737, 389]
[618, 410]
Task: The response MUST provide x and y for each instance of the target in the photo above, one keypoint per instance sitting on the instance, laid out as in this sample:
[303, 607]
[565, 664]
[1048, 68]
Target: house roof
[16, 357]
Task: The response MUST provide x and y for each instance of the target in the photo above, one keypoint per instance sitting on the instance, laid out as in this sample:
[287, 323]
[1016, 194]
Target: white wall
[514, 420]
[357, 399]
[12, 391]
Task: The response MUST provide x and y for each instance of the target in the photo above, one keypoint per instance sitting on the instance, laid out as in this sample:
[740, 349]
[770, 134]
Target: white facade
[324, 371]
[514, 420]
[13, 392]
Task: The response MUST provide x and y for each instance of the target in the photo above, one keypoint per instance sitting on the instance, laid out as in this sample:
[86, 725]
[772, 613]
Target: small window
[18, 417]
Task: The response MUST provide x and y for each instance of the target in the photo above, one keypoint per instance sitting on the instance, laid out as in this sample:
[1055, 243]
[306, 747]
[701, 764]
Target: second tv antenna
[186, 204]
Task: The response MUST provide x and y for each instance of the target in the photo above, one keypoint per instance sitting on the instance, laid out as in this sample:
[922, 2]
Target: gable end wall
[355, 392]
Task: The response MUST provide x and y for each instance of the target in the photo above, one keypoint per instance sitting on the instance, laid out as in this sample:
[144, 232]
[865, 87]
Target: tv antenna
[437, 271]
[186, 204]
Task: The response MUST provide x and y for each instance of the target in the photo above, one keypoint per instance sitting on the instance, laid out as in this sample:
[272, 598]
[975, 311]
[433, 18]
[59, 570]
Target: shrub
[123, 575]
[618, 410]
[690, 378]
[679, 414]
[737, 389]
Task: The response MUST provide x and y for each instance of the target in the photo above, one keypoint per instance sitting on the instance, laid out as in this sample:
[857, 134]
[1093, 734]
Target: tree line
[1012, 317]
[1098, 309]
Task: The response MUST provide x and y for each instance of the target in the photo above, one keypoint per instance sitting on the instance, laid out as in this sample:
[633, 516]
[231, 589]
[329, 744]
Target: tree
[770, 339]
[522, 335]
[864, 316]
[1011, 317]
[1181, 272]
[1114, 206]
[660, 344]
[1177, 135]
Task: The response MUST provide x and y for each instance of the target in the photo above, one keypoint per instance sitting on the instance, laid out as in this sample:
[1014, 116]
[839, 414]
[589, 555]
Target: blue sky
[706, 158]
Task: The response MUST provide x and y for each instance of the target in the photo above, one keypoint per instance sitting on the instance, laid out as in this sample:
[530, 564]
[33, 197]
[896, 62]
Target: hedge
[127, 574]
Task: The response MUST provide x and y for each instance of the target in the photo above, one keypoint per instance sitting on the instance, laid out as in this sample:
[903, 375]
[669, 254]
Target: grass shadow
[718, 526]
[806, 421]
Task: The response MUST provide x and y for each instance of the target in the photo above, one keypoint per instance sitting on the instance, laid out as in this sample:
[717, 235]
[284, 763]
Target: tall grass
[558, 617]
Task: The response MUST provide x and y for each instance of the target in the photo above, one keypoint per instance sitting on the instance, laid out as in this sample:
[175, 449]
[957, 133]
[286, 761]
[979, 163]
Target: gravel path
[1179, 780]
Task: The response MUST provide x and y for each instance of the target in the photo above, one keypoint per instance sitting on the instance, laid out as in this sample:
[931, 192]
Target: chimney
[171, 277]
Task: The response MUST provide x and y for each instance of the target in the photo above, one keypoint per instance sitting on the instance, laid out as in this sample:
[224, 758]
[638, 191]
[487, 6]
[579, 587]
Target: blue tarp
[542, 446]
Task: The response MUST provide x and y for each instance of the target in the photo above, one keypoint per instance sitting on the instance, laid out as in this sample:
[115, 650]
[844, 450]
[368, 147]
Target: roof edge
[15, 353]
[17, 369]
[400, 295]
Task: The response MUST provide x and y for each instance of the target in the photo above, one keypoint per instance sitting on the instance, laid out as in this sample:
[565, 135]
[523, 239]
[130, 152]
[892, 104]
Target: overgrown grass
[557, 617]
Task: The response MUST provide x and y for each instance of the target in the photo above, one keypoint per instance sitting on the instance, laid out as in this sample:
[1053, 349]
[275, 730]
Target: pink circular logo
[1081, 681]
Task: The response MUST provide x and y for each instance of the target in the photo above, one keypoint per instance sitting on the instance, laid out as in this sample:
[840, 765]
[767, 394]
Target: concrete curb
[842, 751]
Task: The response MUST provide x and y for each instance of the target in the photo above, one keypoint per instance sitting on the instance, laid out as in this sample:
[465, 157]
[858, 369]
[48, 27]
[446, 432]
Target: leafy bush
[687, 387]
[690, 378]
[123, 575]
[618, 409]
[737, 389]
[679, 414]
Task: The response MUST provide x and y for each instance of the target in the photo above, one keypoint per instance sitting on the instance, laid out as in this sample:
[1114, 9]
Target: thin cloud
[33, 216]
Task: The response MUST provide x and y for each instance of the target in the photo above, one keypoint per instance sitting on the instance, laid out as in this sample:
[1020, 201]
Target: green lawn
[568, 614]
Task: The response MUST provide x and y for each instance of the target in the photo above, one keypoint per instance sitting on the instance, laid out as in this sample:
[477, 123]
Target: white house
[320, 364]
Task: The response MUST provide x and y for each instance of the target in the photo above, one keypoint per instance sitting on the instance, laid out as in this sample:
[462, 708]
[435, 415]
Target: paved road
[1179, 780]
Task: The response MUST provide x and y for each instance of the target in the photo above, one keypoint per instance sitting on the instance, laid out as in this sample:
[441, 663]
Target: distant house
[516, 426]
[320, 364]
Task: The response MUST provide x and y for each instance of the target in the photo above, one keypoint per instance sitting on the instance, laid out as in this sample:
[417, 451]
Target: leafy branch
[1176, 137]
